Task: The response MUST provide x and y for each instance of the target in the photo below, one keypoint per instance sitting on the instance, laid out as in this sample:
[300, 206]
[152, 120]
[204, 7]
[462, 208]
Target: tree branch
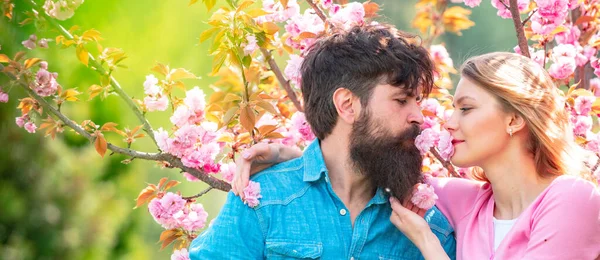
[169, 158]
[199, 194]
[528, 17]
[445, 163]
[516, 16]
[101, 71]
[317, 10]
[284, 83]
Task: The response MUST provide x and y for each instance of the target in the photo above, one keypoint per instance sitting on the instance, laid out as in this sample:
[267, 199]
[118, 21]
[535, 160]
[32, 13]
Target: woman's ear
[346, 104]
[516, 123]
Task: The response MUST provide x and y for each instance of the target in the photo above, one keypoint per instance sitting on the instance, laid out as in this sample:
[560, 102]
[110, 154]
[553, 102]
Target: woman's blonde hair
[522, 86]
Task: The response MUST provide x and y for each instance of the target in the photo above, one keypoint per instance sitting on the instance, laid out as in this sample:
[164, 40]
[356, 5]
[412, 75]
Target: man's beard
[390, 161]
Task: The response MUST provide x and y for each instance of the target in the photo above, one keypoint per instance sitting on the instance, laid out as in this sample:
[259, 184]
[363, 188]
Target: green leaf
[209, 3]
[229, 115]
[208, 33]
[177, 74]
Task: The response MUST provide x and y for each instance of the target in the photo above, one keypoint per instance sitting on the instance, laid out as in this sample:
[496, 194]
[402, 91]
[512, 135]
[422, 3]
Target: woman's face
[478, 125]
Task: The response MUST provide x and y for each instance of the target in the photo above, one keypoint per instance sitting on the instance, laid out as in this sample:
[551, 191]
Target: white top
[501, 228]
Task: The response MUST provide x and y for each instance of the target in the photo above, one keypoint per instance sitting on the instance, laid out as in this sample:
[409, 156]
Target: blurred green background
[59, 199]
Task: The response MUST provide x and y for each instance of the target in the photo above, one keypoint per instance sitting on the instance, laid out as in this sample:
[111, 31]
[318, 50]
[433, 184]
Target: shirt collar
[314, 164]
[315, 169]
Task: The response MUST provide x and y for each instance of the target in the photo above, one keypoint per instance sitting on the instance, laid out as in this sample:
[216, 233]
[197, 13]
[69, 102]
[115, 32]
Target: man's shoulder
[282, 182]
[438, 222]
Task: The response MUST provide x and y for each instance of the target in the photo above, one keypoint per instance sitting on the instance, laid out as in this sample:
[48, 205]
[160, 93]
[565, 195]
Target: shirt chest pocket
[291, 249]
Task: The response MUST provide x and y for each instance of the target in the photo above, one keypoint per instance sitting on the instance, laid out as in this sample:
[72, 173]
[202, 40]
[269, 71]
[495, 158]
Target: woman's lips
[455, 142]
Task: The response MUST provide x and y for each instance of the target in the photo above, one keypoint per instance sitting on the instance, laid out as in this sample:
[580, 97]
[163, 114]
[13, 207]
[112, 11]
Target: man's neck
[353, 188]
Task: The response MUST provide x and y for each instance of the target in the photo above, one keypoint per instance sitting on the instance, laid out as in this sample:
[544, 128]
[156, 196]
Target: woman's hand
[408, 218]
[258, 158]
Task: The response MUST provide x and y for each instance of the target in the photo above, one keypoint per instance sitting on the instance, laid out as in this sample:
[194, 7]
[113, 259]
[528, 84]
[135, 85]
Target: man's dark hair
[359, 59]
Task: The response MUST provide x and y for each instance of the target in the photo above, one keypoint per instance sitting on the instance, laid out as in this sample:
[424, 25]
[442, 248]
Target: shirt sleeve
[234, 234]
[566, 225]
[456, 196]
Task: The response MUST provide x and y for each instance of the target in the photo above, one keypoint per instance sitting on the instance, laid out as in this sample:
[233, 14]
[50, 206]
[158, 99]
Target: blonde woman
[530, 200]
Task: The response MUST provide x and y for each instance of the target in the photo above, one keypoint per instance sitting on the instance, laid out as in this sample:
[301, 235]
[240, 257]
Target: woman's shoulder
[573, 186]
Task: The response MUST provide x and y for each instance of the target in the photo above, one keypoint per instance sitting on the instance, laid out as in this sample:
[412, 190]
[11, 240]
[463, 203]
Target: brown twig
[98, 68]
[528, 17]
[199, 194]
[445, 163]
[169, 158]
[284, 83]
[504, 4]
[317, 10]
[516, 16]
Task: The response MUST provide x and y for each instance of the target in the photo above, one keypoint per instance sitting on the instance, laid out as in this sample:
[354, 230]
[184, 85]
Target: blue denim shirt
[300, 217]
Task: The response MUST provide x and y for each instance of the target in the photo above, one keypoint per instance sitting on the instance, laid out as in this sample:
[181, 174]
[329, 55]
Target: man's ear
[346, 104]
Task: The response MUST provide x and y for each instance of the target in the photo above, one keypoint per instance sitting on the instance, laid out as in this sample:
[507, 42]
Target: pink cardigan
[562, 223]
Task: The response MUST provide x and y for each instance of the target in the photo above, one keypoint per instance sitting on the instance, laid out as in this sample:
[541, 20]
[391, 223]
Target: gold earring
[510, 132]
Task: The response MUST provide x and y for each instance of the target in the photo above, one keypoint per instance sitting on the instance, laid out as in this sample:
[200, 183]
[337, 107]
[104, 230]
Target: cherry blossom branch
[172, 160]
[528, 17]
[199, 194]
[98, 68]
[317, 10]
[284, 83]
[445, 163]
[516, 16]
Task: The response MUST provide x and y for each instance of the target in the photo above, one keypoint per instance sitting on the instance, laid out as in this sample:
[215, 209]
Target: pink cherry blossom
[250, 46]
[350, 15]
[581, 125]
[151, 85]
[190, 177]
[3, 97]
[440, 55]
[424, 196]
[163, 209]
[30, 127]
[445, 145]
[302, 127]
[595, 63]
[30, 42]
[555, 10]
[160, 103]
[504, 12]
[427, 139]
[562, 70]
[195, 99]
[181, 254]
[20, 121]
[228, 171]
[192, 218]
[583, 105]
[252, 194]
[43, 43]
[569, 36]
[472, 3]
[292, 70]
[595, 86]
[45, 82]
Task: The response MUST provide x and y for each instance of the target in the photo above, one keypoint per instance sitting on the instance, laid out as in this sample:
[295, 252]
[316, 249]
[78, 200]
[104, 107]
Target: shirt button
[343, 212]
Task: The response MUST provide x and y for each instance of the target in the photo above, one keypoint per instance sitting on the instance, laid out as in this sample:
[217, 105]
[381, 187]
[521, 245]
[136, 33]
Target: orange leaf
[169, 240]
[110, 126]
[248, 118]
[161, 182]
[171, 184]
[167, 233]
[4, 58]
[371, 9]
[100, 143]
[584, 19]
[270, 28]
[30, 62]
[145, 195]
